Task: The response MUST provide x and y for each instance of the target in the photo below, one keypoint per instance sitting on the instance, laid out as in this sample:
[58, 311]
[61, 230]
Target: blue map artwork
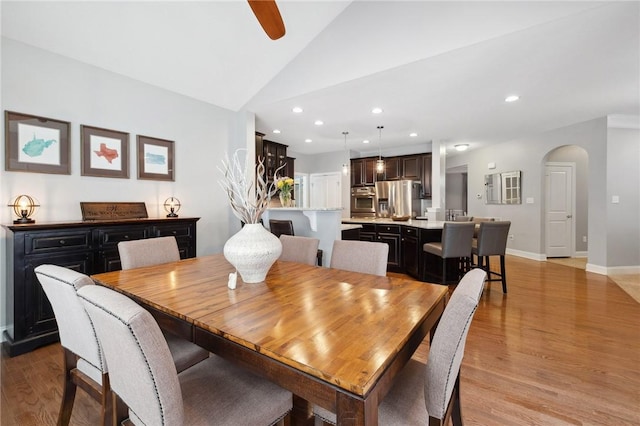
[154, 159]
[35, 147]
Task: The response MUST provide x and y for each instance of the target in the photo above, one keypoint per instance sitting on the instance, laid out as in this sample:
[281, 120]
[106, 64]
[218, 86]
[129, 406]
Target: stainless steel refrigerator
[397, 199]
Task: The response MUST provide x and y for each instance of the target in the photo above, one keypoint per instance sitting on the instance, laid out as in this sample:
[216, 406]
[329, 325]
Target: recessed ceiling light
[308, 140]
[276, 131]
[376, 110]
[297, 110]
[461, 147]
[365, 141]
[413, 135]
[318, 122]
[511, 98]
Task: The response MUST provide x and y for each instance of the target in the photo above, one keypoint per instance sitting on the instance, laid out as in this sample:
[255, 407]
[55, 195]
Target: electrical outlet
[584, 238]
[511, 236]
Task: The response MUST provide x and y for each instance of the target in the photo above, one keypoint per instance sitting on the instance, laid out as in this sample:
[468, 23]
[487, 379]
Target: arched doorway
[566, 191]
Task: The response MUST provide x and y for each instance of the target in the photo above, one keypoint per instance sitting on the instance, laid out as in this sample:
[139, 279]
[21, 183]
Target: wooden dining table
[333, 338]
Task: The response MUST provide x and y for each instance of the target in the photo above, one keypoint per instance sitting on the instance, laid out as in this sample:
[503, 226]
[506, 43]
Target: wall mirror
[502, 188]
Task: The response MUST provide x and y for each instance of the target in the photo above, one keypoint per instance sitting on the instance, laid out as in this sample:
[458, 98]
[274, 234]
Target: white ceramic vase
[252, 251]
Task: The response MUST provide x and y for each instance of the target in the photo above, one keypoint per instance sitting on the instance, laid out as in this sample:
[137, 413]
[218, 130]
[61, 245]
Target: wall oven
[363, 202]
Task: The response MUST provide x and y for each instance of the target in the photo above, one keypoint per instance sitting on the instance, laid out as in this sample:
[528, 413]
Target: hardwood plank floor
[561, 348]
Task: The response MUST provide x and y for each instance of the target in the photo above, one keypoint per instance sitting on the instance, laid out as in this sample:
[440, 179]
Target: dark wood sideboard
[88, 247]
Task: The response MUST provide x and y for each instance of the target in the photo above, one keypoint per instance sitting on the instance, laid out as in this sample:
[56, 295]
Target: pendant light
[380, 161]
[345, 165]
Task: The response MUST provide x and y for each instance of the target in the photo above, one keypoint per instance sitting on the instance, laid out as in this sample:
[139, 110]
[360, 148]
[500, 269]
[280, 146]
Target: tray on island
[400, 218]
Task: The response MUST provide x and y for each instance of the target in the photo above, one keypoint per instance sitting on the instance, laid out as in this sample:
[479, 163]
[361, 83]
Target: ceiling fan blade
[269, 17]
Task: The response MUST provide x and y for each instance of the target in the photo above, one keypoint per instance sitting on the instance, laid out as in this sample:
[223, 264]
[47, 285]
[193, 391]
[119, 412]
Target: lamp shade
[171, 206]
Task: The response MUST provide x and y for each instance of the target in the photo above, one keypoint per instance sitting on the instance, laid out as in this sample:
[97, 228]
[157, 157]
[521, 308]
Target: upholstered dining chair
[492, 241]
[155, 251]
[144, 378]
[285, 227]
[455, 243]
[299, 249]
[360, 256]
[430, 394]
[84, 363]
[147, 252]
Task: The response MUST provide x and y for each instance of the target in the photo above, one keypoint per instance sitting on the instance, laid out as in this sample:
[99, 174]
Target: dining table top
[340, 327]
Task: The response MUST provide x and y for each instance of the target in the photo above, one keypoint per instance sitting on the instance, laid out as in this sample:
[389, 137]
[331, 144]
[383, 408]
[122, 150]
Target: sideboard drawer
[111, 237]
[56, 241]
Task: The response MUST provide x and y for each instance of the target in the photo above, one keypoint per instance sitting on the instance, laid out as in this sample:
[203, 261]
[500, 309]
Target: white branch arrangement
[248, 201]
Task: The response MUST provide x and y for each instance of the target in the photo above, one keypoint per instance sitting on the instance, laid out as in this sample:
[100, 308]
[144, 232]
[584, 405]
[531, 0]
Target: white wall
[623, 181]
[610, 169]
[38, 82]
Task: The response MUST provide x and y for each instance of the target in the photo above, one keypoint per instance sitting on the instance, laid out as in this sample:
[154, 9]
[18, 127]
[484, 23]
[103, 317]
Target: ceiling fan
[269, 17]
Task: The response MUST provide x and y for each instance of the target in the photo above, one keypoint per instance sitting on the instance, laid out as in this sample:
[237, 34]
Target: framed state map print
[36, 144]
[105, 153]
[155, 158]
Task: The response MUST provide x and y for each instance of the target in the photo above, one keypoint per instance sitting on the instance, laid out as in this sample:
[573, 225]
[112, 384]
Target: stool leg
[444, 271]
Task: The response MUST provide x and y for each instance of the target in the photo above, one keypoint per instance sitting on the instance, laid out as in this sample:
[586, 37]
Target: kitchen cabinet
[368, 232]
[363, 172]
[403, 167]
[392, 168]
[275, 156]
[411, 247]
[86, 247]
[425, 176]
[390, 234]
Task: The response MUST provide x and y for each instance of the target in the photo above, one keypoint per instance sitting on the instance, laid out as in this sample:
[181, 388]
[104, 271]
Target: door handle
[569, 216]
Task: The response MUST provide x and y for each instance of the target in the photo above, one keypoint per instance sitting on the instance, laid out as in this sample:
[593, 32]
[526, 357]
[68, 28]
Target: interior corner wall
[42, 83]
[527, 154]
[623, 217]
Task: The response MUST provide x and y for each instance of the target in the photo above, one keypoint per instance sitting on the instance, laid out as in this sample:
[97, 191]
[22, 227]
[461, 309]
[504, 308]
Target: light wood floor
[562, 348]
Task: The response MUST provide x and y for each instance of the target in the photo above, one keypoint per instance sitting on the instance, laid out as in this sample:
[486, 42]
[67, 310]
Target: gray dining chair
[285, 227]
[299, 249]
[492, 241]
[83, 360]
[155, 251]
[430, 394]
[455, 244]
[148, 252]
[145, 379]
[360, 256]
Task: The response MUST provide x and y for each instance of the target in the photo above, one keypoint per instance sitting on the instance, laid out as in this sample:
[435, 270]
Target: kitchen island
[405, 240]
[323, 224]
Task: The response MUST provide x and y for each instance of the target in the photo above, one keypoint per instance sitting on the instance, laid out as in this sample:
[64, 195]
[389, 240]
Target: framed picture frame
[155, 158]
[36, 144]
[104, 152]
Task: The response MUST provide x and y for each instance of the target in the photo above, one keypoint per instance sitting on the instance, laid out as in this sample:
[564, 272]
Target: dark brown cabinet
[390, 234]
[393, 168]
[411, 167]
[275, 156]
[87, 247]
[425, 176]
[411, 251]
[363, 172]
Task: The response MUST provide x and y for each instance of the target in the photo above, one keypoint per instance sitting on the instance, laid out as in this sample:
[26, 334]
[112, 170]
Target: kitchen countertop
[350, 226]
[415, 223]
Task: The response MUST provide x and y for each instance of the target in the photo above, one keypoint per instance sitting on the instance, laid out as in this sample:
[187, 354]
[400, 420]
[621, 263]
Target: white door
[559, 209]
[326, 190]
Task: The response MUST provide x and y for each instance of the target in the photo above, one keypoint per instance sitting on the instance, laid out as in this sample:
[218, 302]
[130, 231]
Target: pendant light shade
[380, 161]
[345, 165]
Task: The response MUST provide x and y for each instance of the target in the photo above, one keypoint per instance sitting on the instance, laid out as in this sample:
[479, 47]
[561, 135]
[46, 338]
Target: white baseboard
[613, 270]
[527, 255]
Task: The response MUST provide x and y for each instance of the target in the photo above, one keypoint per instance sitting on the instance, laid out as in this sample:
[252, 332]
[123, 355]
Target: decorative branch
[248, 201]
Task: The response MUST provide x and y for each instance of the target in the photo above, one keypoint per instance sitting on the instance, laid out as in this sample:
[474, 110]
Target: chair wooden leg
[68, 389]
[503, 273]
[456, 412]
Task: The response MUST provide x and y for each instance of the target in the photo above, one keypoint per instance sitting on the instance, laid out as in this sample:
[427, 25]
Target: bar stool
[285, 227]
[492, 241]
[455, 243]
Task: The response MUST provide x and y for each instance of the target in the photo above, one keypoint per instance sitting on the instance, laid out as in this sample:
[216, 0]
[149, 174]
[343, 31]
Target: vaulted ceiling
[438, 69]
